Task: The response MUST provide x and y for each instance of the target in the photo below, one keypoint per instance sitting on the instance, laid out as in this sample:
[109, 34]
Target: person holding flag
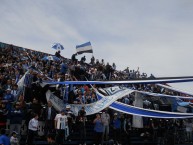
[58, 47]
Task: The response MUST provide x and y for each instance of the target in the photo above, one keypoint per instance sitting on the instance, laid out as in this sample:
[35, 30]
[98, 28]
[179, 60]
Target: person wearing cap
[61, 123]
[14, 140]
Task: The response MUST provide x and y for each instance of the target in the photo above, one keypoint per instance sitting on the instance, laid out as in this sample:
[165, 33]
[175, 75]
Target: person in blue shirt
[116, 124]
[8, 99]
[63, 68]
[4, 140]
[16, 115]
[98, 128]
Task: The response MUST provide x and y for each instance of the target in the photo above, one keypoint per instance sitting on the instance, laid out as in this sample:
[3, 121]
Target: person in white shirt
[14, 140]
[61, 123]
[32, 129]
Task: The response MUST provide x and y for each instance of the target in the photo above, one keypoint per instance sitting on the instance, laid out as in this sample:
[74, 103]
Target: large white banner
[89, 108]
[105, 101]
[113, 90]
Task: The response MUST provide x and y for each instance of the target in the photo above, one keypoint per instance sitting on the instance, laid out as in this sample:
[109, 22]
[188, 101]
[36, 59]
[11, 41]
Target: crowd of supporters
[28, 101]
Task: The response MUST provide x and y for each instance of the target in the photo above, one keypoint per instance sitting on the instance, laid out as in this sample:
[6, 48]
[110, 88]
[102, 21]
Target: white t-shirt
[61, 121]
[33, 124]
[14, 141]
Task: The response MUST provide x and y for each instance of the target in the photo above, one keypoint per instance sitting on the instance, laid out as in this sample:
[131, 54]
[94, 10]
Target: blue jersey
[98, 126]
[4, 140]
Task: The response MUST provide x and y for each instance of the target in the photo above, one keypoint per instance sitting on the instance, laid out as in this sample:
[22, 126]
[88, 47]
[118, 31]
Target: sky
[155, 36]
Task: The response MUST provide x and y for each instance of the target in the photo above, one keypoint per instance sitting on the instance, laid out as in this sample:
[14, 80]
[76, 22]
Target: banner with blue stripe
[110, 101]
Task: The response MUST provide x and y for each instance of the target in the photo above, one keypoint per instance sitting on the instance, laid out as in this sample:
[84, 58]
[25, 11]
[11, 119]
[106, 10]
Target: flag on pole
[84, 48]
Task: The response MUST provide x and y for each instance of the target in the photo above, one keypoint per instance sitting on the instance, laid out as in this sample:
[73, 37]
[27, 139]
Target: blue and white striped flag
[84, 48]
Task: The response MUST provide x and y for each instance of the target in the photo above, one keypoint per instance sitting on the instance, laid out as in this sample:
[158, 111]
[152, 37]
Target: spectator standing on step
[48, 115]
[60, 126]
[116, 124]
[16, 116]
[127, 126]
[32, 129]
[98, 128]
[73, 58]
[83, 59]
[81, 124]
[105, 117]
[71, 117]
[92, 61]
